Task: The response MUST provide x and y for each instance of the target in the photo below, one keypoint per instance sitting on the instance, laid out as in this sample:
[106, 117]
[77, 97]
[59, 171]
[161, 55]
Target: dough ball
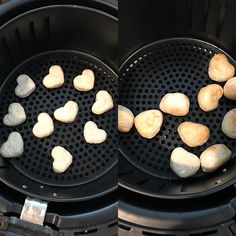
[16, 115]
[183, 163]
[193, 134]
[62, 159]
[148, 123]
[94, 135]
[230, 88]
[229, 124]
[125, 119]
[67, 113]
[44, 127]
[209, 96]
[214, 157]
[220, 69]
[176, 104]
[55, 77]
[103, 103]
[13, 147]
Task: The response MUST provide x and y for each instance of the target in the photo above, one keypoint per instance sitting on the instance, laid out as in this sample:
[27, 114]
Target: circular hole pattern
[168, 66]
[37, 161]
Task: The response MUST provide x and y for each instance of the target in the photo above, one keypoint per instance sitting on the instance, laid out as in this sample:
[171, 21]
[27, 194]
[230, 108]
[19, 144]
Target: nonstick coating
[90, 161]
[174, 65]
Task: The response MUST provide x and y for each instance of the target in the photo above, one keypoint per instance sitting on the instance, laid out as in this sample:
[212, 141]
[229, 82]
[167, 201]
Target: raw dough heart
[16, 115]
[125, 119]
[93, 134]
[13, 147]
[184, 163]
[62, 159]
[68, 113]
[84, 82]
[44, 127]
[55, 78]
[25, 86]
[103, 102]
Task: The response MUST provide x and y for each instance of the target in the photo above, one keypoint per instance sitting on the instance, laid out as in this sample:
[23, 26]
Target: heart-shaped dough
[68, 113]
[25, 86]
[125, 119]
[148, 123]
[16, 115]
[84, 82]
[55, 78]
[184, 163]
[13, 147]
[93, 134]
[44, 127]
[103, 102]
[62, 159]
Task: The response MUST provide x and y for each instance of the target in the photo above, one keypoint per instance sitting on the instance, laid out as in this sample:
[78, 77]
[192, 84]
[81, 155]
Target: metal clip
[34, 211]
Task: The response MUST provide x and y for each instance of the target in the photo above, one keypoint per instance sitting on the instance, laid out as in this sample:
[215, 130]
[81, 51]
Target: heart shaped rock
[44, 127]
[25, 86]
[93, 134]
[16, 115]
[55, 78]
[103, 103]
[62, 159]
[68, 113]
[84, 82]
[13, 147]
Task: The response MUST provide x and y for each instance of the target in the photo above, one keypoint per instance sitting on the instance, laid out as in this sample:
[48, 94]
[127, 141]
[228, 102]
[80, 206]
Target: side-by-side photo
[58, 117]
[176, 118]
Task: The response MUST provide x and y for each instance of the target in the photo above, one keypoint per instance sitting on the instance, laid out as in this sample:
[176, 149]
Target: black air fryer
[165, 46]
[76, 35]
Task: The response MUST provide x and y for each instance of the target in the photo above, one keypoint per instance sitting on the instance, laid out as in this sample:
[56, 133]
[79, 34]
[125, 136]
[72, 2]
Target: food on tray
[148, 123]
[230, 88]
[85, 81]
[16, 115]
[13, 147]
[125, 119]
[214, 157]
[55, 78]
[44, 127]
[193, 134]
[62, 159]
[229, 124]
[176, 104]
[220, 68]
[103, 102]
[25, 86]
[209, 96]
[67, 113]
[94, 135]
[183, 163]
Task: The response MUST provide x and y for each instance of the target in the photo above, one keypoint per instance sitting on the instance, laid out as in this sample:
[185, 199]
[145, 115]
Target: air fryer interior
[31, 43]
[169, 51]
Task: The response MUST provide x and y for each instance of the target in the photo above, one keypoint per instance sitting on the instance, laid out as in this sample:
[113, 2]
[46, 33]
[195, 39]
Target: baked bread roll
[148, 123]
[220, 69]
[193, 134]
[125, 119]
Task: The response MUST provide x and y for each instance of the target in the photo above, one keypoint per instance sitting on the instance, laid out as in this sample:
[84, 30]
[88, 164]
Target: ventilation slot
[91, 231]
[204, 233]
[142, 182]
[112, 224]
[157, 234]
[221, 19]
[18, 36]
[47, 28]
[124, 227]
[32, 31]
[205, 17]
[7, 49]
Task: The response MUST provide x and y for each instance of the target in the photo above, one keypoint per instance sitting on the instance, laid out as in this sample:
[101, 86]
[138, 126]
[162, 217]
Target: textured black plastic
[174, 65]
[90, 161]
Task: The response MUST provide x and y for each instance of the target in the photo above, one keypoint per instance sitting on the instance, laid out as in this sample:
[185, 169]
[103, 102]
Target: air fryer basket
[31, 43]
[172, 58]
